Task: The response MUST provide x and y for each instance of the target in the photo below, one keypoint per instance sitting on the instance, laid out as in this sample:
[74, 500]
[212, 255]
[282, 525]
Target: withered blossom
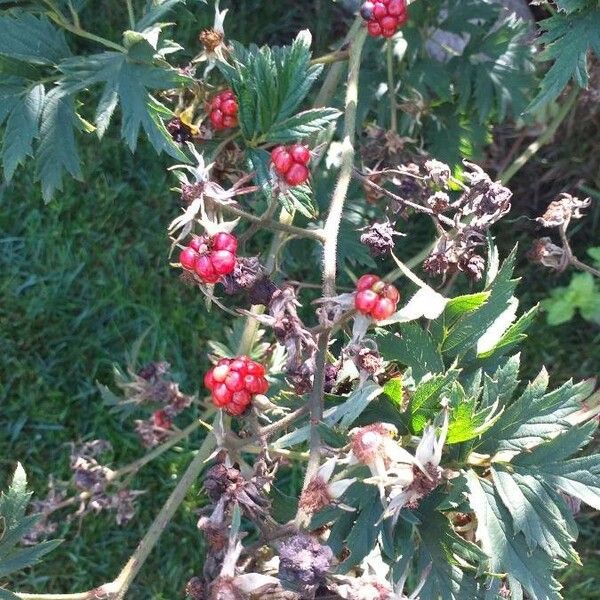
[44, 527]
[437, 172]
[213, 41]
[544, 252]
[379, 238]
[251, 277]
[560, 211]
[438, 202]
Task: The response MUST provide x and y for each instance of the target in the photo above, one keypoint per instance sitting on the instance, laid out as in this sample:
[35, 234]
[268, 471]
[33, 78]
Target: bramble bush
[428, 470]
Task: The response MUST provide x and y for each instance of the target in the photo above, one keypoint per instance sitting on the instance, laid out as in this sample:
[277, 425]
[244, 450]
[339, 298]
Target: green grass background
[81, 279]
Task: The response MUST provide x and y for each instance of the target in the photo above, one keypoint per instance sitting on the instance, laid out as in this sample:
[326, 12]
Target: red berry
[365, 301]
[383, 309]
[396, 8]
[233, 383]
[223, 262]
[391, 293]
[300, 154]
[223, 110]
[221, 395]
[297, 174]
[374, 28]
[205, 270]
[367, 281]
[379, 10]
[366, 11]
[388, 23]
[225, 241]
[388, 33]
[161, 420]
[187, 258]
[196, 243]
[282, 160]
[229, 107]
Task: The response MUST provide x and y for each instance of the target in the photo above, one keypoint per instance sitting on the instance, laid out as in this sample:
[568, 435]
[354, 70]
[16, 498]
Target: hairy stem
[332, 226]
[546, 137]
[146, 545]
[392, 86]
[130, 14]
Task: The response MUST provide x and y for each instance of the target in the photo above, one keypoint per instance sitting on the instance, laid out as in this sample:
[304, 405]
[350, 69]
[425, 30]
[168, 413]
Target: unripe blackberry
[290, 162]
[375, 298]
[223, 110]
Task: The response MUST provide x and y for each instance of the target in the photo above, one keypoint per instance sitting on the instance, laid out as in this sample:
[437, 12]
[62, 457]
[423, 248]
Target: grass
[82, 278]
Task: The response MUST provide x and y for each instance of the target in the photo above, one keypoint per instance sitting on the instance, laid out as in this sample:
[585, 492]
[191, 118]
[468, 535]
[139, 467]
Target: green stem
[546, 137]
[392, 86]
[59, 20]
[130, 14]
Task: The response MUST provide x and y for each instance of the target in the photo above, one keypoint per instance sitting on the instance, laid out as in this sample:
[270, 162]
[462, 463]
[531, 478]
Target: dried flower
[437, 172]
[560, 211]
[379, 238]
[545, 252]
[213, 41]
[439, 202]
[194, 589]
[304, 562]
[251, 277]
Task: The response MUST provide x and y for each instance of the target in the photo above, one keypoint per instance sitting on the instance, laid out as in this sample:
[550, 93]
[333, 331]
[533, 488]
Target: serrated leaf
[57, 150]
[508, 552]
[25, 557]
[394, 390]
[27, 37]
[468, 329]
[22, 128]
[130, 81]
[457, 307]
[425, 401]
[567, 40]
[500, 387]
[466, 422]
[534, 513]
[155, 12]
[535, 417]
[513, 336]
[302, 125]
[413, 347]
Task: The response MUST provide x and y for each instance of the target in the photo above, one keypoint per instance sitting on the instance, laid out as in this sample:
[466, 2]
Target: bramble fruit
[375, 298]
[223, 110]
[384, 17]
[210, 258]
[234, 382]
[290, 162]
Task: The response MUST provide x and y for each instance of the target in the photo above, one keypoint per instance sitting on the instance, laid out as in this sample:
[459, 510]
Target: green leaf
[469, 328]
[457, 307]
[513, 336]
[25, 557]
[57, 151]
[22, 128]
[155, 12]
[6, 595]
[347, 412]
[425, 401]
[466, 422]
[500, 387]
[445, 551]
[508, 552]
[34, 39]
[302, 125]
[567, 41]
[535, 417]
[535, 513]
[394, 390]
[128, 80]
[413, 347]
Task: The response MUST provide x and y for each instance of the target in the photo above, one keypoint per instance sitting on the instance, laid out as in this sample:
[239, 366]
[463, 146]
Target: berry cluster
[223, 110]
[210, 257]
[290, 162]
[375, 298]
[384, 17]
[234, 382]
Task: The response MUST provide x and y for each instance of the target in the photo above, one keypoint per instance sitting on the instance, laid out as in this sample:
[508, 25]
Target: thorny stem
[546, 137]
[331, 229]
[332, 57]
[392, 86]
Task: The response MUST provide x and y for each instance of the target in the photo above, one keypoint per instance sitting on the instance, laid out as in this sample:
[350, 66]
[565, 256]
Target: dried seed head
[437, 172]
[221, 480]
[331, 373]
[211, 39]
[473, 265]
[379, 238]
[439, 202]
[315, 496]
[179, 131]
[560, 212]
[304, 562]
